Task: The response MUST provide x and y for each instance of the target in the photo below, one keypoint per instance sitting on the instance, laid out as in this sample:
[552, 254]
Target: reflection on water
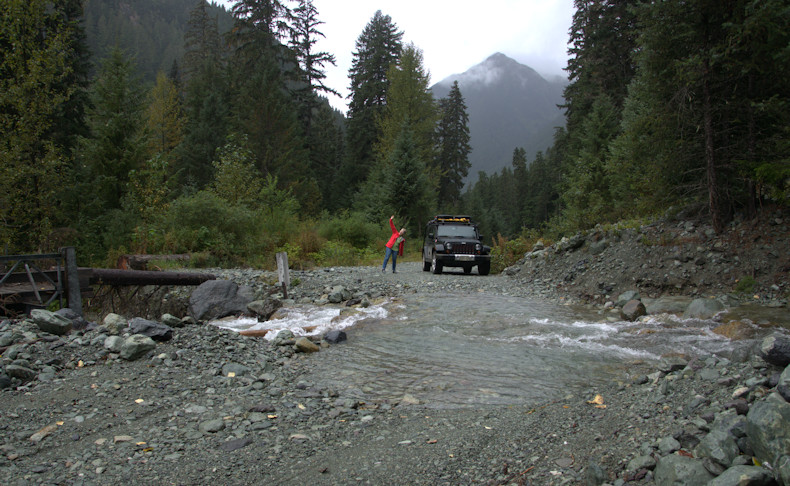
[463, 350]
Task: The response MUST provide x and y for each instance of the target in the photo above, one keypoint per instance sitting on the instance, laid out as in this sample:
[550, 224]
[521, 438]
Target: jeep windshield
[448, 231]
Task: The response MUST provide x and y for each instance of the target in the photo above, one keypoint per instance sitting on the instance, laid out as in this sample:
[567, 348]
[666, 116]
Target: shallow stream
[480, 348]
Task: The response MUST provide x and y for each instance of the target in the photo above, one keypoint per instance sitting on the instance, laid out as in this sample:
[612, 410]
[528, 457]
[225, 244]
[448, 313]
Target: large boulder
[215, 299]
[768, 430]
[776, 350]
[50, 322]
[633, 310]
[155, 330]
[703, 309]
[335, 336]
[626, 297]
[78, 322]
[744, 475]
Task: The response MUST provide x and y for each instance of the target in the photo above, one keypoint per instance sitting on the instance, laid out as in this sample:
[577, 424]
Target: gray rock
[283, 337]
[595, 475]
[304, 345]
[719, 446]
[20, 372]
[743, 476]
[236, 369]
[626, 296]
[115, 324]
[598, 247]
[50, 322]
[776, 350]
[77, 321]
[265, 308]
[633, 310]
[703, 309]
[768, 428]
[670, 364]
[668, 445]
[155, 330]
[136, 346]
[215, 299]
[641, 462]
[338, 294]
[211, 426]
[235, 444]
[171, 320]
[676, 470]
[335, 337]
[114, 343]
[5, 381]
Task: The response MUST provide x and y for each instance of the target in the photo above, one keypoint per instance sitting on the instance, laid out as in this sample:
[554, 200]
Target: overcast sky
[453, 35]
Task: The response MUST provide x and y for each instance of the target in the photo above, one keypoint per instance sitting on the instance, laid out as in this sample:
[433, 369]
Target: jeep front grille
[463, 248]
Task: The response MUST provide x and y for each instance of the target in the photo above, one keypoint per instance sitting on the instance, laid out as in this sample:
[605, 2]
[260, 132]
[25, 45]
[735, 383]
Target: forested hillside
[235, 154]
[151, 31]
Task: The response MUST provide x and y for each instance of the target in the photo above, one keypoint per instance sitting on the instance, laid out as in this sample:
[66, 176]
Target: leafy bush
[352, 228]
[745, 285]
[507, 252]
[336, 253]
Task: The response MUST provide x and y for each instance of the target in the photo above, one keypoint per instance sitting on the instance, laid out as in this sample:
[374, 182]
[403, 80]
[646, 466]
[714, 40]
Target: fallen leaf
[231, 374]
[566, 406]
[140, 443]
[487, 427]
[432, 441]
[271, 416]
[301, 407]
[45, 431]
[80, 364]
[148, 449]
[59, 422]
[598, 400]
[139, 400]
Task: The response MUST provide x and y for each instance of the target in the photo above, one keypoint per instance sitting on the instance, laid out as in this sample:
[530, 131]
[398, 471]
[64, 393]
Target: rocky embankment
[159, 399]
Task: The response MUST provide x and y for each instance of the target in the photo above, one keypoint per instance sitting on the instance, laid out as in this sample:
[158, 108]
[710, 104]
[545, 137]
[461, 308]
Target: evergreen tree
[409, 101]
[377, 48]
[164, 120]
[41, 77]
[304, 36]
[116, 145]
[452, 138]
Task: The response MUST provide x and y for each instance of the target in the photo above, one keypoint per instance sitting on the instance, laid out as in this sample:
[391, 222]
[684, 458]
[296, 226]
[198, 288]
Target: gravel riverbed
[211, 406]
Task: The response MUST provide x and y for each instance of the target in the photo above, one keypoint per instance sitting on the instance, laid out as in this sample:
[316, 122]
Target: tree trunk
[714, 199]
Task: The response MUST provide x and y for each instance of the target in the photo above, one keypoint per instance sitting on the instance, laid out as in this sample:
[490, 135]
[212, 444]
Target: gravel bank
[210, 406]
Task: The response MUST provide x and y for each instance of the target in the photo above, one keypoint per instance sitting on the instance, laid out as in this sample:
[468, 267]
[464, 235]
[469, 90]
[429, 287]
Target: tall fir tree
[377, 48]
[41, 104]
[453, 148]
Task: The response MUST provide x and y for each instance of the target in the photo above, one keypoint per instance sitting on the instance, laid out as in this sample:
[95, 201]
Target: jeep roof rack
[448, 218]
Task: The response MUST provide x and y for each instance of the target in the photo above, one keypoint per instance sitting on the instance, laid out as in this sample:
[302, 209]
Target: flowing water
[480, 348]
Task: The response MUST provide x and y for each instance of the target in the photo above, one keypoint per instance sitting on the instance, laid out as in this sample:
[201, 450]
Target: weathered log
[107, 276]
[263, 332]
[140, 262]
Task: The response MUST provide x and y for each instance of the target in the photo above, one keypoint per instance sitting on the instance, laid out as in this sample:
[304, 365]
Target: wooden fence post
[72, 279]
[282, 272]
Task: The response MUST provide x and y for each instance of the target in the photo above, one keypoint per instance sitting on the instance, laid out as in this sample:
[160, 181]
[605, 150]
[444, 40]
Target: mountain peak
[493, 70]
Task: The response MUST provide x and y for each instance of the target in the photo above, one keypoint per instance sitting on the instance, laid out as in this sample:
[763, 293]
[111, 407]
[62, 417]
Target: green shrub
[336, 253]
[352, 228]
[507, 252]
[745, 285]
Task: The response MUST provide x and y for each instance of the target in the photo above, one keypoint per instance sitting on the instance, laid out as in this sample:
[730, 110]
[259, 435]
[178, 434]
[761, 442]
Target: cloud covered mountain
[510, 105]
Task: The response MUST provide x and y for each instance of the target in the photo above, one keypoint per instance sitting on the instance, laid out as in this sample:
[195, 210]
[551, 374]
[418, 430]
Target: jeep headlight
[478, 246]
[448, 247]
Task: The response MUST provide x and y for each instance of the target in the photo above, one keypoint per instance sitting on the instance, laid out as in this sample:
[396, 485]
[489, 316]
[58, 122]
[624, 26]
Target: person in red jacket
[397, 237]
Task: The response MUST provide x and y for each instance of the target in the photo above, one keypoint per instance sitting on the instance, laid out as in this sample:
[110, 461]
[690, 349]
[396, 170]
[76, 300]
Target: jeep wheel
[436, 265]
[484, 268]
[426, 266]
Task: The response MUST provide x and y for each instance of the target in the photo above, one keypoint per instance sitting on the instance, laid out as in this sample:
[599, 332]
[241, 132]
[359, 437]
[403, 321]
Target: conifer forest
[206, 130]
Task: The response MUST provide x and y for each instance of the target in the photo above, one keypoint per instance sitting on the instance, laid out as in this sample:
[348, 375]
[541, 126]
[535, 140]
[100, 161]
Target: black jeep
[454, 241]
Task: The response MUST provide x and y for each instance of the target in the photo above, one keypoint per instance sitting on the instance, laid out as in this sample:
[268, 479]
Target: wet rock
[633, 310]
[667, 305]
[676, 470]
[703, 309]
[215, 299]
[283, 337]
[136, 346]
[776, 350]
[735, 330]
[768, 429]
[304, 345]
[113, 344]
[155, 330]
[50, 322]
[335, 337]
[743, 476]
[265, 308]
[338, 294]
